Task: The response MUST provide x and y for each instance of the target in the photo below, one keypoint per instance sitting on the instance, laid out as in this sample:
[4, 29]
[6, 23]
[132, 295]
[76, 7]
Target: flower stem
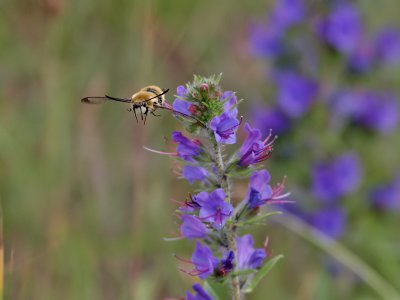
[226, 185]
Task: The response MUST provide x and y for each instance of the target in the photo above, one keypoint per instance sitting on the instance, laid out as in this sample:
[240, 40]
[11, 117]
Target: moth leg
[145, 115]
[152, 112]
[134, 111]
[141, 113]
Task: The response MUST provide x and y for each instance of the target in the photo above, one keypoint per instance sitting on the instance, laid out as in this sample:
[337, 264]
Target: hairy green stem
[226, 185]
[383, 288]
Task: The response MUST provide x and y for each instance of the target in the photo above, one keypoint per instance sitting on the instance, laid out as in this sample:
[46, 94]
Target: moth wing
[99, 100]
[94, 100]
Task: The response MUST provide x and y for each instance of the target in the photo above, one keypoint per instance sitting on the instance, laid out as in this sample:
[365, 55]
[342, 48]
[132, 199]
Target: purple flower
[193, 228]
[362, 58]
[266, 40]
[193, 173]
[375, 110]
[388, 46]
[224, 128]
[254, 149]
[267, 119]
[187, 149]
[215, 210]
[378, 111]
[182, 106]
[260, 192]
[287, 13]
[247, 256]
[181, 91]
[226, 265]
[295, 93]
[333, 180]
[330, 221]
[259, 189]
[204, 260]
[230, 100]
[342, 29]
[201, 294]
[387, 196]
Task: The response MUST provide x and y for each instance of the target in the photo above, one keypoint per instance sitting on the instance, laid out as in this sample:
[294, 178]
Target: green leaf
[209, 289]
[263, 271]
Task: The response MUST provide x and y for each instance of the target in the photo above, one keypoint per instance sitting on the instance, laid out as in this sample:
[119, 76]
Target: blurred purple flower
[224, 128]
[388, 46]
[254, 149]
[201, 294]
[204, 261]
[267, 119]
[215, 209]
[331, 221]
[333, 180]
[342, 29]
[266, 40]
[362, 58]
[247, 256]
[378, 111]
[387, 196]
[286, 13]
[187, 149]
[193, 228]
[193, 173]
[295, 93]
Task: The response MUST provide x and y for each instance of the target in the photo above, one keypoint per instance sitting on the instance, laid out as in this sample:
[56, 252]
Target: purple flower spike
[224, 128]
[247, 256]
[201, 294]
[215, 210]
[331, 221]
[204, 260]
[342, 29]
[193, 173]
[295, 93]
[193, 228]
[187, 149]
[254, 149]
[336, 179]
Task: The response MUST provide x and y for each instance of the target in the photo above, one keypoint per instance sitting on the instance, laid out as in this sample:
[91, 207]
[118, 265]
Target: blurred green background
[84, 206]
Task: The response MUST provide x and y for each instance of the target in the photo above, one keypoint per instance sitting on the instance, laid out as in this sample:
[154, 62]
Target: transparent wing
[93, 100]
[99, 100]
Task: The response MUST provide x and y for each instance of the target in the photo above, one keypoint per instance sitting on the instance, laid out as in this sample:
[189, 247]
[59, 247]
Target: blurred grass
[85, 207]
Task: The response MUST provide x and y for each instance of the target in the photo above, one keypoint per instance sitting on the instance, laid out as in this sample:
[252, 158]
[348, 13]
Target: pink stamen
[277, 191]
[183, 259]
